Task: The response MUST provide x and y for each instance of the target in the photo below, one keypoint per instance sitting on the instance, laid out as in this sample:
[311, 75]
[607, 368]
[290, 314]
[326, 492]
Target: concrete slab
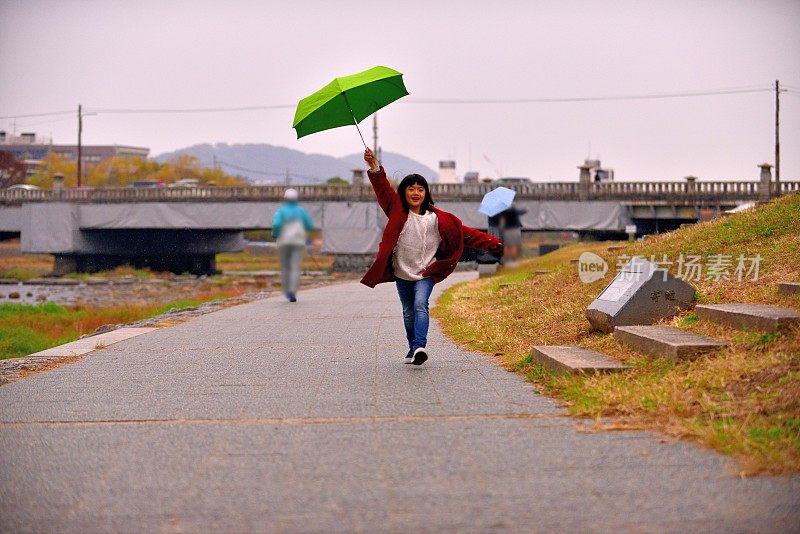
[92, 343]
[666, 341]
[788, 289]
[487, 269]
[570, 359]
[747, 316]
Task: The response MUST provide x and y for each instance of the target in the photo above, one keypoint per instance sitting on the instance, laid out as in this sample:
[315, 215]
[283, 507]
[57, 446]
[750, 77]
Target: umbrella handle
[354, 118]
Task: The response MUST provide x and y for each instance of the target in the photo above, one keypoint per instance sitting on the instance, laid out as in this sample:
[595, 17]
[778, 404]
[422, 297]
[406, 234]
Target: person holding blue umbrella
[421, 246]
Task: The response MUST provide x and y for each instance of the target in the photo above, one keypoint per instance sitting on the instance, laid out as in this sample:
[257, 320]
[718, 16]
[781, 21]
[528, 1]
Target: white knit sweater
[416, 246]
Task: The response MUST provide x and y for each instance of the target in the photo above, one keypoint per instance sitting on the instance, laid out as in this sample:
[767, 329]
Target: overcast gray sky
[170, 54]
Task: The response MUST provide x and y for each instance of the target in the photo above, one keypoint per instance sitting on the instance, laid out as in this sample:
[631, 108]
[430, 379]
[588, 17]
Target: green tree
[122, 171]
[337, 180]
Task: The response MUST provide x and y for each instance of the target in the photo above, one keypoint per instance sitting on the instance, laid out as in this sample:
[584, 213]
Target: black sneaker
[420, 355]
[409, 357]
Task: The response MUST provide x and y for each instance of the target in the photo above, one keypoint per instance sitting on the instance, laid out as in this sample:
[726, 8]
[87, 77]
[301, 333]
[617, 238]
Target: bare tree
[11, 171]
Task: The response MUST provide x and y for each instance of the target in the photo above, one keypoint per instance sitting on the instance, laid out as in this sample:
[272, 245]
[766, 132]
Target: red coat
[455, 235]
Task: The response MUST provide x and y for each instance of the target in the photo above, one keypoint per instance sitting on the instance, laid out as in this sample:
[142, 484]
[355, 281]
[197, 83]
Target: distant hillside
[267, 163]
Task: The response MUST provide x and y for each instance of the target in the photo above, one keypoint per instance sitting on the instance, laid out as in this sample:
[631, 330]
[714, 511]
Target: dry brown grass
[14, 264]
[245, 261]
[743, 400]
[52, 364]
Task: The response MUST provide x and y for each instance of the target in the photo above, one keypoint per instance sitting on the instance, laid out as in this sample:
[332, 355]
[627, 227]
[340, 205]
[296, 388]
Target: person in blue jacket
[290, 225]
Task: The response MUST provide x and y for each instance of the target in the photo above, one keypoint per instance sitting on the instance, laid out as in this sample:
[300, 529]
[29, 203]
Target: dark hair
[415, 179]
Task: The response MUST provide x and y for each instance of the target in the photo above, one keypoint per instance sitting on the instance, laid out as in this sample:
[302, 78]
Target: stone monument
[640, 294]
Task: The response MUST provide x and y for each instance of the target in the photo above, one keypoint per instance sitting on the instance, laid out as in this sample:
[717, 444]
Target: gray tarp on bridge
[357, 228]
[352, 227]
[551, 215]
[10, 219]
[348, 227]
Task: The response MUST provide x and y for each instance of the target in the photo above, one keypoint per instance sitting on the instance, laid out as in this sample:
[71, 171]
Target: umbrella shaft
[354, 118]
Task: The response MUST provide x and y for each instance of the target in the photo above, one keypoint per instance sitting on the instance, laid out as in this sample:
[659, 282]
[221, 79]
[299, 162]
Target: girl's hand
[371, 160]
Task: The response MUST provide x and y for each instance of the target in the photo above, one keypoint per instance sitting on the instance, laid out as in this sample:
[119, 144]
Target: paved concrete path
[273, 416]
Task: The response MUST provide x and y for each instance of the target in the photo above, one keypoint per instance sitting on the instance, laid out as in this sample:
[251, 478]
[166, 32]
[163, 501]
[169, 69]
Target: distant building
[447, 172]
[98, 153]
[32, 149]
[597, 172]
[358, 177]
[471, 177]
[25, 146]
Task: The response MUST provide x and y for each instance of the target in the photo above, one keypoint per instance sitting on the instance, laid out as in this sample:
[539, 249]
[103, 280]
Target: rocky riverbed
[129, 290]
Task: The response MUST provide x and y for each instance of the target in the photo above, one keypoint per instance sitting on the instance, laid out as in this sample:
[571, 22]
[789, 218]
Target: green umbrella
[348, 100]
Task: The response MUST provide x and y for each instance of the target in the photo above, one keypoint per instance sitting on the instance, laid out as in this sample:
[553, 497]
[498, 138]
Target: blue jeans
[414, 297]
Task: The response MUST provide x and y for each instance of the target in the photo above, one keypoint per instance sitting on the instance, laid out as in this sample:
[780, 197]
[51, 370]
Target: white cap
[290, 194]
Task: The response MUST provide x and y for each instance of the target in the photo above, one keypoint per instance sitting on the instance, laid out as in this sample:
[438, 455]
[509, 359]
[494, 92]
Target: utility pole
[80, 133]
[777, 138]
[288, 178]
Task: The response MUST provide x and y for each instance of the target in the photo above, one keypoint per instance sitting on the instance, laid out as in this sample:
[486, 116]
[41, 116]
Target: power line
[47, 114]
[266, 173]
[38, 123]
[584, 98]
[633, 97]
[651, 96]
[191, 110]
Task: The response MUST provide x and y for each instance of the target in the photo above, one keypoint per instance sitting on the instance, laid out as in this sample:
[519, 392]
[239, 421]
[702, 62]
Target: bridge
[182, 229]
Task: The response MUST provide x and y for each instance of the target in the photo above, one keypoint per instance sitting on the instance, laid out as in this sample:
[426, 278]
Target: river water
[113, 292]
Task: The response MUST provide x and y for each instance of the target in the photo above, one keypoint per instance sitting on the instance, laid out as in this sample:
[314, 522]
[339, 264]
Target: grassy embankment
[743, 400]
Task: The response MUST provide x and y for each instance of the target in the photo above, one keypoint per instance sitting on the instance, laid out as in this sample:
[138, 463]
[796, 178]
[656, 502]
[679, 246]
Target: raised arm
[388, 198]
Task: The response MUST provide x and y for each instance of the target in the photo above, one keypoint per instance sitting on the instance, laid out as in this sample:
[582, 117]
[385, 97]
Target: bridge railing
[632, 191]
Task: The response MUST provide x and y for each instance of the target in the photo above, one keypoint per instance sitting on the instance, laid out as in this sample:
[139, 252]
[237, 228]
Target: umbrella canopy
[348, 100]
[496, 201]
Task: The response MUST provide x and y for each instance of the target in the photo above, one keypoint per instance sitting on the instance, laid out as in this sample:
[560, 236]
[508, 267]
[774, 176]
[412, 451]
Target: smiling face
[415, 196]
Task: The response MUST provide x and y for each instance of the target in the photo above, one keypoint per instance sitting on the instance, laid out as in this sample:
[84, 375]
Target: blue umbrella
[496, 201]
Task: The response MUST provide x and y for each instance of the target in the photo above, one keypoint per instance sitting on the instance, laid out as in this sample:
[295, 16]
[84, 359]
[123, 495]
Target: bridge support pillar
[765, 183]
[197, 264]
[65, 265]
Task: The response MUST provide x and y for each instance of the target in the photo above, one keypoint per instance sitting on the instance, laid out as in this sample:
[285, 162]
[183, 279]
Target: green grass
[29, 328]
[185, 303]
[21, 329]
[19, 273]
